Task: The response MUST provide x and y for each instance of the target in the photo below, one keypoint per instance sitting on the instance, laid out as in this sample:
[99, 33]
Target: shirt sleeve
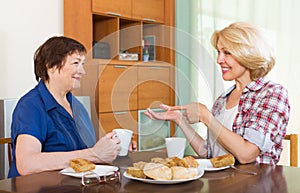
[263, 141]
[268, 120]
[28, 119]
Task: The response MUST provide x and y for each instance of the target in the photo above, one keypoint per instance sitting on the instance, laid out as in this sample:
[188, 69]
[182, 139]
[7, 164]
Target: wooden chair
[9, 148]
[293, 149]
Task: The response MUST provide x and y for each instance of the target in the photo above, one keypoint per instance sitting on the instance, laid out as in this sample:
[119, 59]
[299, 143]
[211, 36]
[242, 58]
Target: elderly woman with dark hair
[49, 125]
[250, 119]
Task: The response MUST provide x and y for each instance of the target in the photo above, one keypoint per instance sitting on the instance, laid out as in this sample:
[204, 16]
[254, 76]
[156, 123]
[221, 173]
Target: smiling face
[69, 76]
[231, 68]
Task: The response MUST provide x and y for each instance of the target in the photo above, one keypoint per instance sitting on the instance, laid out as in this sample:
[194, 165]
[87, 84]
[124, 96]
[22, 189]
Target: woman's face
[69, 76]
[231, 69]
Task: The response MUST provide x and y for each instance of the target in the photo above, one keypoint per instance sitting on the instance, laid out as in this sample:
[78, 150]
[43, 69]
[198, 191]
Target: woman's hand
[175, 116]
[107, 148]
[173, 113]
[133, 145]
[194, 112]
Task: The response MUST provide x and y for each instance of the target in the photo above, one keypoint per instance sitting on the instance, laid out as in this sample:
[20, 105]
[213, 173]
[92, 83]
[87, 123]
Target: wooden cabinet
[78, 21]
[114, 8]
[124, 88]
[154, 86]
[118, 86]
[146, 10]
[121, 34]
[149, 10]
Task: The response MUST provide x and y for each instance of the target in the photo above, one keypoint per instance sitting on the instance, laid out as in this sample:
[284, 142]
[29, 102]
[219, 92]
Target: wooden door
[78, 21]
[117, 88]
[115, 7]
[154, 86]
[147, 10]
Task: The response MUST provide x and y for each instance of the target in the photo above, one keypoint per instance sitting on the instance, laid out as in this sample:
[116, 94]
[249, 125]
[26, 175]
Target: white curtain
[280, 20]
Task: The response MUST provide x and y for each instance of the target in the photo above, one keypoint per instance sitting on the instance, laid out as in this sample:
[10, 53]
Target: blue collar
[48, 99]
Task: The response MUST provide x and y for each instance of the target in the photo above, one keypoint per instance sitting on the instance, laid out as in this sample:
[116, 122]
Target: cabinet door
[149, 10]
[78, 20]
[115, 7]
[125, 119]
[154, 86]
[117, 88]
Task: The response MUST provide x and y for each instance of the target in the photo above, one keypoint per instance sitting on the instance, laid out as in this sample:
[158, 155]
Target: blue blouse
[39, 115]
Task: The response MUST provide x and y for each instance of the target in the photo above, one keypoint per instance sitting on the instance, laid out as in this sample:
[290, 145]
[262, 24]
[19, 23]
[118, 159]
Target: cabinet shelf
[126, 35]
[129, 63]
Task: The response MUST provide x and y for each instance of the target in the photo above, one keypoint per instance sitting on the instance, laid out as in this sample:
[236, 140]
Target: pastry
[173, 161]
[158, 160]
[81, 165]
[139, 165]
[157, 171]
[135, 172]
[179, 172]
[189, 162]
[222, 161]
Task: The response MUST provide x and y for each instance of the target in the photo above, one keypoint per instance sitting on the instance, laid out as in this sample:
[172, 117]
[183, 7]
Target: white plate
[101, 170]
[150, 181]
[207, 165]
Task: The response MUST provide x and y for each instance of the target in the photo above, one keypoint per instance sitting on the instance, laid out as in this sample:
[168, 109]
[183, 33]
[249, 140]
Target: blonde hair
[248, 46]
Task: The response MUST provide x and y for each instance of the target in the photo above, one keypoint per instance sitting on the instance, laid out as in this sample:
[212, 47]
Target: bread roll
[135, 172]
[81, 165]
[189, 162]
[179, 172]
[157, 171]
[222, 161]
[139, 165]
[173, 161]
[158, 160]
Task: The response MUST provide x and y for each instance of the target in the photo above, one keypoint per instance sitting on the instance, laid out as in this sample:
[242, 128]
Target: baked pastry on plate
[81, 165]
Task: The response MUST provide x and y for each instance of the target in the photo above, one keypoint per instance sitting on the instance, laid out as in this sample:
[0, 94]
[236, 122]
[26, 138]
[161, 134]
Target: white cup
[125, 136]
[175, 146]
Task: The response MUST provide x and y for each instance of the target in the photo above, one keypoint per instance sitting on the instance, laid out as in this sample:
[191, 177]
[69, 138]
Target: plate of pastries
[165, 170]
[217, 163]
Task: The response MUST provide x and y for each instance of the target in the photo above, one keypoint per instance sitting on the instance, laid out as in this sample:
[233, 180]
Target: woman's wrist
[93, 155]
[181, 120]
[207, 119]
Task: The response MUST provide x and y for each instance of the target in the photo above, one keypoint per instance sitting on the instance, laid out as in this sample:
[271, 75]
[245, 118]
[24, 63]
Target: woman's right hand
[194, 112]
[107, 148]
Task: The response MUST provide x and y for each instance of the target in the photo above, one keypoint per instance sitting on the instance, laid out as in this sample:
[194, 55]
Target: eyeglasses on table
[92, 178]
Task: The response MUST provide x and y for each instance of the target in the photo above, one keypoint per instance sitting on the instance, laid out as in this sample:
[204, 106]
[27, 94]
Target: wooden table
[270, 179]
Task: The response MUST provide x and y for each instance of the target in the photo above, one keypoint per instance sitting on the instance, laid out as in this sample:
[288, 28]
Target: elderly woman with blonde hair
[249, 120]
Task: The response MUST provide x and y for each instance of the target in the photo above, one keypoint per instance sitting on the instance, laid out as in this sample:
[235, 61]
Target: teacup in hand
[125, 136]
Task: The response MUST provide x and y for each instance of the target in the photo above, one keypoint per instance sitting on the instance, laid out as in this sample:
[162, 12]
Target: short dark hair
[54, 53]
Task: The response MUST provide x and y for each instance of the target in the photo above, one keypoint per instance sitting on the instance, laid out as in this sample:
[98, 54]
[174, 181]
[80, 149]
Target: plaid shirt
[262, 118]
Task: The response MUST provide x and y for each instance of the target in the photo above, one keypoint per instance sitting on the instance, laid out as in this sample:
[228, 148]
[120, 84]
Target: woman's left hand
[194, 112]
[168, 115]
[133, 146]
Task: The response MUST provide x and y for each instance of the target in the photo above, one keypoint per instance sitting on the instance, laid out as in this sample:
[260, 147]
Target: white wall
[24, 25]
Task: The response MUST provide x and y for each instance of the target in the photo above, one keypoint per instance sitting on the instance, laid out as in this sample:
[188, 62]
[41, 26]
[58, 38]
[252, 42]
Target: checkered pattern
[263, 107]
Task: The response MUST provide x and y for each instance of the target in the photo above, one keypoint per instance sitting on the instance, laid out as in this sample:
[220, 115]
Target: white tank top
[226, 118]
